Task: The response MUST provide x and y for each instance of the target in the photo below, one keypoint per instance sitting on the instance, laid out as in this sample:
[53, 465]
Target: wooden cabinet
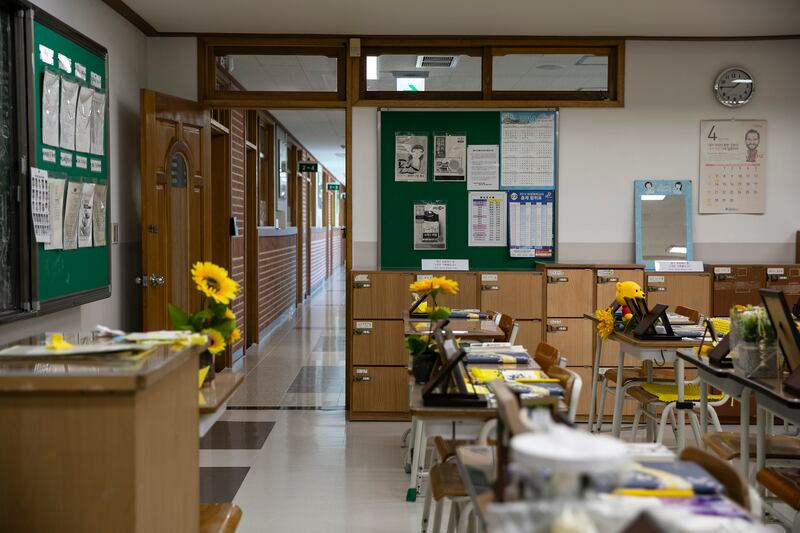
[673, 289]
[467, 297]
[735, 284]
[606, 283]
[570, 292]
[784, 278]
[573, 338]
[379, 392]
[381, 294]
[517, 294]
[529, 334]
[379, 343]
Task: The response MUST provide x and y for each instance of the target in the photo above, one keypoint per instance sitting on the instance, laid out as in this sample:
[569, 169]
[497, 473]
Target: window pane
[550, 72]
[280, 73]
[433, 72]
[9, 216]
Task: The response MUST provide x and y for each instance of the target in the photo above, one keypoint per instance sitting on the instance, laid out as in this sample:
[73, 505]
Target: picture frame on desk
[787, 333]
[450, 378]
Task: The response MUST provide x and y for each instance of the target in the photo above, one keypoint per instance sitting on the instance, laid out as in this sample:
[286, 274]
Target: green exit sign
[333, 186]
[308, 166]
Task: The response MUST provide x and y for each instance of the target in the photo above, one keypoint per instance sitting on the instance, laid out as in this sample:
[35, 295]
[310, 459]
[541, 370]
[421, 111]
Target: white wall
[668, 91]
[172, 66]
[127, 54]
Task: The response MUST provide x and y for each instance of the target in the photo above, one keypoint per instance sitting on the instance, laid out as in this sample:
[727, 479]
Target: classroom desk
[214, 396]
[100, 445]
[647, 352]
[464, 329]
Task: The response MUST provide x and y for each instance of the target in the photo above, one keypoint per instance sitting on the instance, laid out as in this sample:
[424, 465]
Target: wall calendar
[733, 165]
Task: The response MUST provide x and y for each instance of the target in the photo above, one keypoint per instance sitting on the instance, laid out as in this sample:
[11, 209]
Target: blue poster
[531, 224]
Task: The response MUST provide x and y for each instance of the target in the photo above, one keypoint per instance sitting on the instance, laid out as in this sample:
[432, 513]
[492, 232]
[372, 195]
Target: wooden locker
[673, 289]
[573, 338]
[517, 294]
[785, 278]
[629, 406]
[379, 390]
[529, 335]
[381, 294]
[379, 343]
[735, 284]
[605, 291]
[570, 292]
[467, 297]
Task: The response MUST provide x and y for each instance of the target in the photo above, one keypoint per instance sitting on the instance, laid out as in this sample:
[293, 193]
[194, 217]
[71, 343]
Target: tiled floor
[314, 470]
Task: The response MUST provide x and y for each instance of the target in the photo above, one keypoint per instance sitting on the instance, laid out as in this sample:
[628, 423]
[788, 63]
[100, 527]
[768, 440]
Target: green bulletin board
[66, 275]
[397, 198]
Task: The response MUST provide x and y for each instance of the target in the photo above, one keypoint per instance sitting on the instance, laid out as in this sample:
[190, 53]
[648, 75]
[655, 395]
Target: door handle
[141, 280]
[656, 288]
[605, 279]
[362, 331]
[557, 279]
[361, 378]
[777, 277]
[362, 285]
[724, 277]
[490, 287]
[551, 329]
[156, 281]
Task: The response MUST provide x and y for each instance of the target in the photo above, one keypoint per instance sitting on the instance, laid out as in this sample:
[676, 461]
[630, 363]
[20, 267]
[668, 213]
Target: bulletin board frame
[395, 199]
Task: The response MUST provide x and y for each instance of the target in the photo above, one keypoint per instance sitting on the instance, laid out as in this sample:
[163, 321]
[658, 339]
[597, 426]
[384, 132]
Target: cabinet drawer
[606, 284]
[529, 334]
[517, 294]
[570, 292]
[572, 337]
[687, 289]
[784, 278]
[381, 294]
[379, 389]
[467, 297]
[378, 342]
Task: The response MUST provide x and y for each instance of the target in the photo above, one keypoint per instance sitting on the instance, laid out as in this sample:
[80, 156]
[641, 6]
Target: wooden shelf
[219, 128]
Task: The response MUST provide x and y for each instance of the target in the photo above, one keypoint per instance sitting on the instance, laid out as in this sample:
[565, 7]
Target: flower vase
[207, 360]
[422, 366]
[758, 359]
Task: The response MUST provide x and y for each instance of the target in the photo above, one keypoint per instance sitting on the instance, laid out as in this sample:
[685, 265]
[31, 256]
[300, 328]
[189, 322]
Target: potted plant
[753, 341]
[423, 347]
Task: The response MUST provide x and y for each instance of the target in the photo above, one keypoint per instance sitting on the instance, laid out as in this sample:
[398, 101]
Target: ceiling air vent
[437, 61]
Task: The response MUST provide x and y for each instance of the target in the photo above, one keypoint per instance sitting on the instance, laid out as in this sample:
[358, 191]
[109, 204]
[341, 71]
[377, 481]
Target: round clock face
[733, 87]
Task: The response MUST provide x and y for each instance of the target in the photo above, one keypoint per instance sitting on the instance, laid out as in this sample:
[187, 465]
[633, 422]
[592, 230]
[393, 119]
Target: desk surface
[96, 374]
[462, 328]
[630, 340]
[213, 395]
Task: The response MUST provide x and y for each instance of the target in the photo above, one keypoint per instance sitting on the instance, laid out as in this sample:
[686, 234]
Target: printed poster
[487, 219]
[40, 205]
[99, 215]
[530, 224]
[483, 167]
[733, 163]
[528, 149]
[71, 211]
[430, 226]
[56, 187]
[411, 162]
[450, 152]
[85, 217]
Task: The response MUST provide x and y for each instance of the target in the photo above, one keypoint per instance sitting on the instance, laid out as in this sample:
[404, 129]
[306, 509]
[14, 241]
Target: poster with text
[733, 162]
[411, 163]
[531, 228]
[487, 219]
[483, 167]
[527, 149]
[450, 158]
[430, 226]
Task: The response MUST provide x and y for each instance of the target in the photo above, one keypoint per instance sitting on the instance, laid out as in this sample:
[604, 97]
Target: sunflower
[420, 286]
[606, 325]
[447, 286]
[235, 336]
[216, 342]
[213, 281]
[229, 314]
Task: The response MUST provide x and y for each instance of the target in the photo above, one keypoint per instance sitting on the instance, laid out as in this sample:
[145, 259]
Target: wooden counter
[97, 446]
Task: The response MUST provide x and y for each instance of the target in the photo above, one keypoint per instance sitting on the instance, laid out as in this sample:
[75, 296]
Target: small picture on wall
[411, 163]
[430, 226]
[450, 153]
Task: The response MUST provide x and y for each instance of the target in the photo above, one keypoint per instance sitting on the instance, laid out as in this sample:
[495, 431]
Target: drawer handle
[361, 378]
[605, 279]
[557, 279]
[724, 277]
[656, 288]
[551, 329]
[490, 287]
[362, 332]
[362, 285]
[777, 277]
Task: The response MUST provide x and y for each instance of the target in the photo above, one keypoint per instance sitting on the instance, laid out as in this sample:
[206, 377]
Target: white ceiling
[321, 131]
[477, 17]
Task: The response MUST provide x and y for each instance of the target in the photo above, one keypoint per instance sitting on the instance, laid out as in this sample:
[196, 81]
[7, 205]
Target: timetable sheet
[530, 223]
[487, 219]
[527, 149]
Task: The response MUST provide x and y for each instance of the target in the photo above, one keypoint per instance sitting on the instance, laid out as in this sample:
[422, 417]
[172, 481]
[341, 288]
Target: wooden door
[570, 292]
[175, 141]
[307, 236]
[381, 294]
[467, 297]
[691, 290]
[379, 389]
[573, 338]
[517, 294]
[379, 342]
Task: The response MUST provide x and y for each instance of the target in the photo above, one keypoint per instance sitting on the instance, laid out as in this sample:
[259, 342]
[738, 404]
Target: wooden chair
[726, 445]
[735, 486]
[692, 314]
[219, 517]
[784, 483]
[546, 356]
[508, 325]
[572, 384]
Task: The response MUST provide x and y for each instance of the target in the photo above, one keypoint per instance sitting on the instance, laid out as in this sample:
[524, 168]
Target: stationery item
[56, 203]
[98, 126]
[99, 215]
[527, 376]
[69, 102]
[537, 390]
[496, 359]
[85, 216]
[51, 92]
[483, 167]
[40, 205]
[71, 212]
[485, 375]
[670, 479]
[83, 120]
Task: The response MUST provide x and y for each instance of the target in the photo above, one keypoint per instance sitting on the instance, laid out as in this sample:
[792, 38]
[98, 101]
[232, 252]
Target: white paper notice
[98, 123]
[71, 211]
[450, 152]
[69, 102]
[85, 217]
[40, 208]
[487, 219]
[56, 187]
[483, 167]
[527, 150]
[80, 71]
[99, 215]
[81, 162]
[83, 120]
[51, 90]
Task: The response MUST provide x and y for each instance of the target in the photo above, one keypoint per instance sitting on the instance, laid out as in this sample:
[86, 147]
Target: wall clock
[734, 87]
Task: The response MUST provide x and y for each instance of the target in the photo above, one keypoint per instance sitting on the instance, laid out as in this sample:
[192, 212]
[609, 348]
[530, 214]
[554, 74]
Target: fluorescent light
[677, 250]
[650, 197]
[372, 67]
[411, 84]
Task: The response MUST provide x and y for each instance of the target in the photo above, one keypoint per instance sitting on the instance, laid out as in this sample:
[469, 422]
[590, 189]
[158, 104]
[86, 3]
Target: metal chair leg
[464, 519]
[663, 423]
[695, 423]
[437, 516]
[453, 518]
[426, 510]
[601, 411]
[636, 417]
[714, 418]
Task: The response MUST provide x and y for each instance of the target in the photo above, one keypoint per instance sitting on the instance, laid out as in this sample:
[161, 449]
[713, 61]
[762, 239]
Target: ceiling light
[411, 84]
[372, 67]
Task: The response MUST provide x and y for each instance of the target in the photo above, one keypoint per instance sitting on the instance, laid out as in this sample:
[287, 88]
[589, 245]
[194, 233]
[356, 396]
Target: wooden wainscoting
[336, 244]
[277, 273]
[318, 256]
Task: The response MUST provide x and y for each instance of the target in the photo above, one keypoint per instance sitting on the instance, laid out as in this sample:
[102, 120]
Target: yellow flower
[213, 281]
[435, 286]
[423, 285]
[235, 336]
[216, 342]
[606, 325]
[229, 314]
[57, 342]
[447, 286]
[185, 342]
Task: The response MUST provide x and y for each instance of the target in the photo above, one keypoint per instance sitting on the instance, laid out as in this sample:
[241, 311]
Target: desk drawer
[379, 389]
[570, 292]
[572, 337]
[378, 342]
[381, 294]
